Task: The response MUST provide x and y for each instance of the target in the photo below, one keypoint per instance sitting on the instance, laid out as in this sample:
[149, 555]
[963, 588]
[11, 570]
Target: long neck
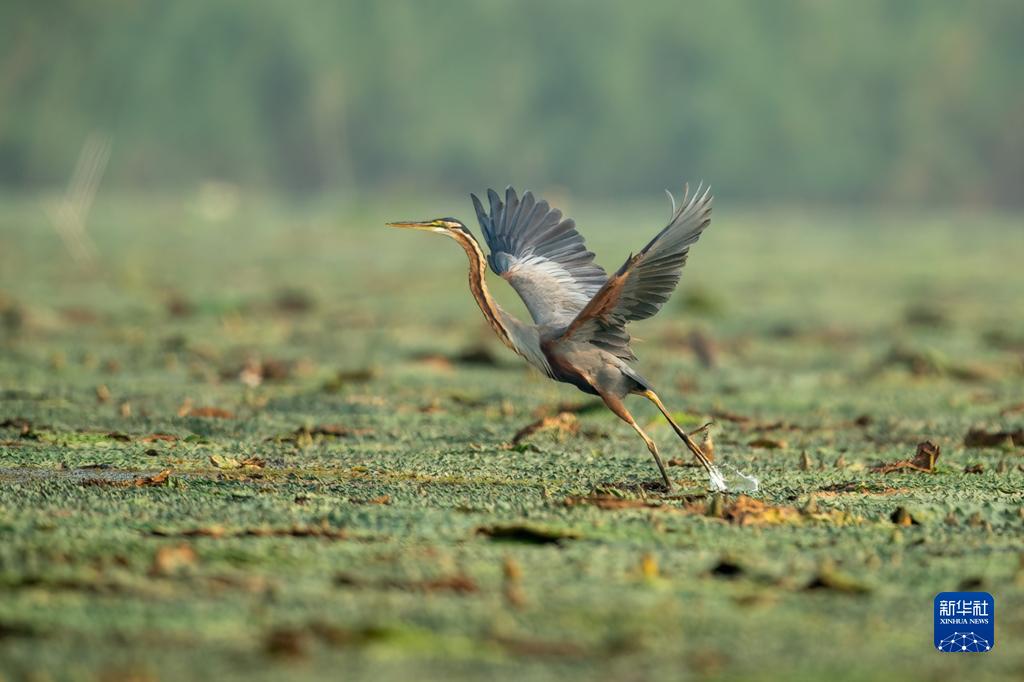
[496, 317]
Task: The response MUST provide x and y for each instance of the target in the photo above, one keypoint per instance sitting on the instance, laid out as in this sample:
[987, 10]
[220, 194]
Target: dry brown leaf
[980, 438]
[224, 462]
[435, 361]
[610, 502]
[381, 499]
[924, 460]
[459, 583]
[539, 535]
[153, 437]
[746, 511]
[336, 430]
[171, 559]
[286, 643]
[207, 412]
[564, 422]
[217, 531]
[901, 517]
[140, 482]
[768, 443]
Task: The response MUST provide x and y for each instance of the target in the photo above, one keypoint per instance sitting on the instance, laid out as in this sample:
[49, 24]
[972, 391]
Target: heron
[580, 314]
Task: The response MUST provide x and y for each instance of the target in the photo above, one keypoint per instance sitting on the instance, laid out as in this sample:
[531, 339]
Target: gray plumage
[541, 255]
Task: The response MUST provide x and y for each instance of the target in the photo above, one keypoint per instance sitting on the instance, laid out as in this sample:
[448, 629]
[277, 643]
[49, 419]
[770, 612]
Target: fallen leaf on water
[746, 511]
[294, 301]
[140, 482]
[980, 438]
[707, 443]
[213, 531]
[726, 567]
[830, 578]
[731, 416]
[304, 434]
[322, 531]
[186, 410]
[540, 648]
[901, 517]
[926, 456]
[859, 488]
[539, 535]
[23, 426]
[257, 370]
[611, 502]
[768, 443]
[171, 559]
[224, 462]
[381, 499]
[575, 408]
[512, 590]
[153, 437]
[477, 355]
[459, 583]
[218, 531]
[435, 360]
[563, 422]
[286, 643]
[924, 460]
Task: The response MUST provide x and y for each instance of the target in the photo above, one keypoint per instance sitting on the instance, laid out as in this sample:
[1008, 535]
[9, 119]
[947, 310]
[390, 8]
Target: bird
[580, 313]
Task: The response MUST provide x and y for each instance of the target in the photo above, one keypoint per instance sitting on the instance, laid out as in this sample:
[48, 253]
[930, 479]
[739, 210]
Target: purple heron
[578, 335]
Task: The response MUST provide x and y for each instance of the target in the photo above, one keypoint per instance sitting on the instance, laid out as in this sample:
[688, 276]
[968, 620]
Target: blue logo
[965, 622]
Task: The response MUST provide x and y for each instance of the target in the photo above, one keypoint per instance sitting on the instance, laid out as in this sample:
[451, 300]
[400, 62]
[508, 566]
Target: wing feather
[639, 288]
[540, 253]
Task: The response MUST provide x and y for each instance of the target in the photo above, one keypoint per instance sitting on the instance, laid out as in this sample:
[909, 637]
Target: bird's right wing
[645, 281]
[541, 255]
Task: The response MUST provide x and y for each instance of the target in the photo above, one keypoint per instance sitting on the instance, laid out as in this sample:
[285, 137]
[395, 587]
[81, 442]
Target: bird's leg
[616, 405]
[694, 448]
[657, 457]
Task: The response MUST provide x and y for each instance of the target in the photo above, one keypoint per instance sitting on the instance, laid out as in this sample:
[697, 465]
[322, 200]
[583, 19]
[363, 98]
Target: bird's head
[448, 226]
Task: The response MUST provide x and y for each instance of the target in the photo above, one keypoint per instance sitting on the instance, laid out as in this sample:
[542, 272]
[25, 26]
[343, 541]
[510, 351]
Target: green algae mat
[279, 442]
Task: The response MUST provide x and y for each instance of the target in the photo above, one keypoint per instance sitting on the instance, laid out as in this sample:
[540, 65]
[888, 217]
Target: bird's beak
[413, 225]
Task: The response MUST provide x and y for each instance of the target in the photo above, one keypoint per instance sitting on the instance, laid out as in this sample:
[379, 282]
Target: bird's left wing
[641, 286]
[540, 254]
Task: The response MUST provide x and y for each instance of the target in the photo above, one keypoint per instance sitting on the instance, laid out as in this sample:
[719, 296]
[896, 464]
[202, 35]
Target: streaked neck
[478, 285]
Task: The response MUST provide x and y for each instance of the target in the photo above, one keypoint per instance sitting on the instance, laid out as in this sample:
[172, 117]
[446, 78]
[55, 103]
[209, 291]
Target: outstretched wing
[645, 281]
[541, 255]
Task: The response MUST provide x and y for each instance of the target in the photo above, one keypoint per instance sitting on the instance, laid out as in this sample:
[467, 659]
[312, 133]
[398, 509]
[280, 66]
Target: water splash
[739, 482]
[718, 483]
[744, 483]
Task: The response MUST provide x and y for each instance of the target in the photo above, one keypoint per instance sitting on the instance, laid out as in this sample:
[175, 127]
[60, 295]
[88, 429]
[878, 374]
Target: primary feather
[541, 255]
[645, 281]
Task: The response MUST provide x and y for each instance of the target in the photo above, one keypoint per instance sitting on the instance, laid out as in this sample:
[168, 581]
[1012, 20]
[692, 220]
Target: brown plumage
[580, 313]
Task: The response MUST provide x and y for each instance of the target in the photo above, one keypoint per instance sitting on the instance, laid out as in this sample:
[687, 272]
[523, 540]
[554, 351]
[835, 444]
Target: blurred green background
[907, 103]
[195, 278]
